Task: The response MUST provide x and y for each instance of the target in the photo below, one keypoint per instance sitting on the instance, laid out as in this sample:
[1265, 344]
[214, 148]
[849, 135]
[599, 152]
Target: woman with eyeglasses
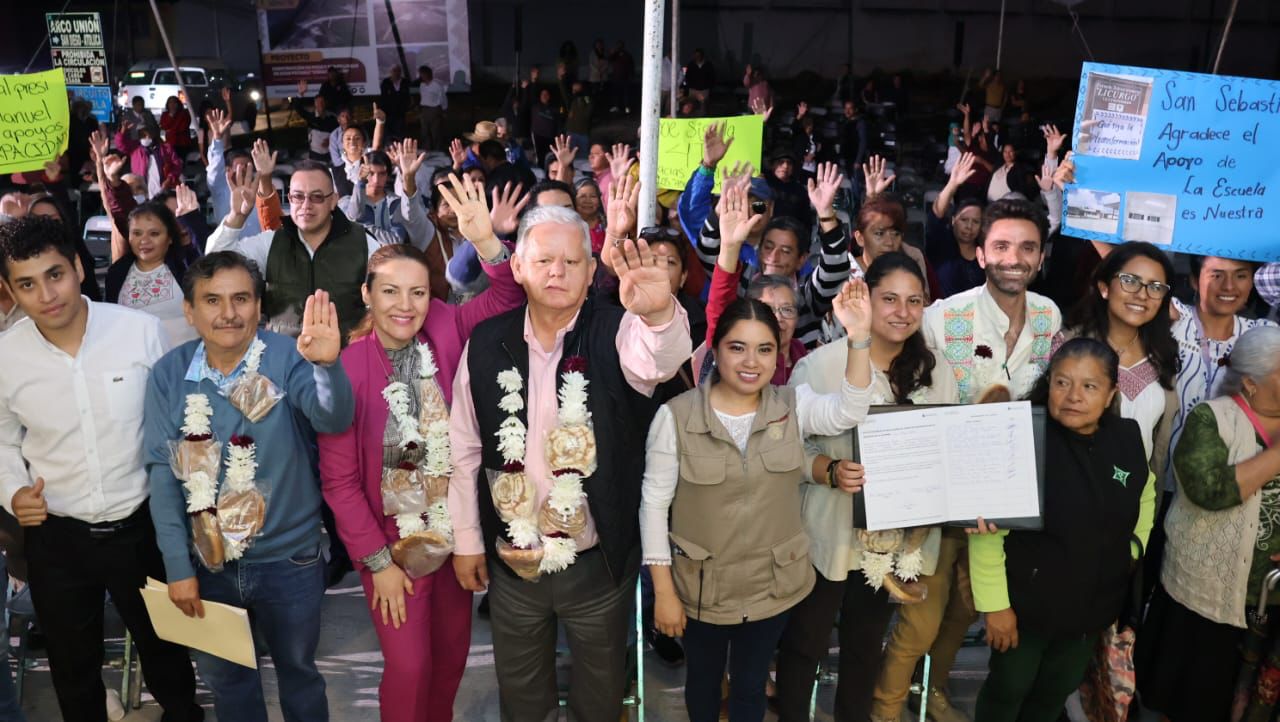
[859, 573]
[951, 233]
[1128, 309]
[737, 221]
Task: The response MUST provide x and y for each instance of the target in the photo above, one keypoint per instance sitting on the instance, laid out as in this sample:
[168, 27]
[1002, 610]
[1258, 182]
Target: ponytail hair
[386, 254]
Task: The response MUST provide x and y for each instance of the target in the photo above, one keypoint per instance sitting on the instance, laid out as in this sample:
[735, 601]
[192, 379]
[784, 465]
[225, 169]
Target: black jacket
[619, 413]
[1071, 578]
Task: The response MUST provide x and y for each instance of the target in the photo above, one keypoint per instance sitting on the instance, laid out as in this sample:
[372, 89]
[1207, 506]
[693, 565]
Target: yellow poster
[680, 147]
[33, 120]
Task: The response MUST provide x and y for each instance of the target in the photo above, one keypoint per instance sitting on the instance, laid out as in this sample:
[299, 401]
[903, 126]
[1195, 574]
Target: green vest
[293, 274]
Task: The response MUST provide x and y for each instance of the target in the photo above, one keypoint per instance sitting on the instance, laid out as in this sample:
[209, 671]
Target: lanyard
[1253, 419]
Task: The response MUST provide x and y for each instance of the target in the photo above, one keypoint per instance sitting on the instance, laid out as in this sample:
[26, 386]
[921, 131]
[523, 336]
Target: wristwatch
[831, 473]
[858, 345]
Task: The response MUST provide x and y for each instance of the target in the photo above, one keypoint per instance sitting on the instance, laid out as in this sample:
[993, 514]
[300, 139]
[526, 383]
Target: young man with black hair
[391, 217]
[498, 172]
[222, 165]
[71, 469]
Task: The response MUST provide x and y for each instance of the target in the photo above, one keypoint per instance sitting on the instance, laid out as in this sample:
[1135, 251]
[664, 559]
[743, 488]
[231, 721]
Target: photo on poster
[1090, 210]
[1149, 217]
[1115, 116]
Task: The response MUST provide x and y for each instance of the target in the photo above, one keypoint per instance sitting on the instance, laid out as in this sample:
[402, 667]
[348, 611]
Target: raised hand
[320, 341]
[241, 182]
[963, 108]
[759, 108]
[824, 186]
[1064, 174]
[226, 95]
[739, 176]
[962, 170]
[187, 201]
[620, 160]
[466, 198]
[53, 169]
[113, 166]
[264, 159]
[715, 144]
[1053, 139]
[505, 215]
[874, 172]
[565, 152]
[219, 122]
[852, 308]
[458, 153]
[408, 159]
[736, 220]
[99, 144]
[621, 210]
[379, 115]
[643, 286]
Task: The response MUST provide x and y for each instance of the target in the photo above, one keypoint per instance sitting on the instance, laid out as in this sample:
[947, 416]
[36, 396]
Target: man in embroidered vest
[317, 247]
[996, 340]
[551, 526]
[236, 414]
[71, 469]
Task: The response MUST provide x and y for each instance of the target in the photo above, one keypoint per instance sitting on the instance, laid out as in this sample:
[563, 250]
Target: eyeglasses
[659, 233]
[315, 198]
[1132, 284]
[785, 312]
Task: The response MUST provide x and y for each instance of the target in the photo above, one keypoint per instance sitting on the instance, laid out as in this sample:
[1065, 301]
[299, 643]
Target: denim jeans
[9, 709]
[283, 599]
[748, 648]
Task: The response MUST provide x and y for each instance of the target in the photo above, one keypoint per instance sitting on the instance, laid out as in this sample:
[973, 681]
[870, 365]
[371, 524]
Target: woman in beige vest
[1222, 539]
[725, 462]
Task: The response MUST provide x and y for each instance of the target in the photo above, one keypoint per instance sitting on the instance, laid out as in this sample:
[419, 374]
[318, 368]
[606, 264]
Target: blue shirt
[316, 399]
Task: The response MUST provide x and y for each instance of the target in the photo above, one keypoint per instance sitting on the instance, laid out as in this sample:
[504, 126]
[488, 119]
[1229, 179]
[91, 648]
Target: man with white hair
[563, 508]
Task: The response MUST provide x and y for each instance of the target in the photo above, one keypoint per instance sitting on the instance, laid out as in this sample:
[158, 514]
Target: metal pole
[168, 48]
[1226, 30]
[650, 94]
[675, 55]
[217, 33]
[1000, 39]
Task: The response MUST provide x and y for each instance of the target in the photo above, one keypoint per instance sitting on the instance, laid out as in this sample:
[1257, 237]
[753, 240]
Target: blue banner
[1183, 160]
[100, 96]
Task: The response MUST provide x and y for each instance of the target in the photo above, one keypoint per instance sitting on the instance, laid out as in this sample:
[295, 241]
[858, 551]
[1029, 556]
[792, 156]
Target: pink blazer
[351, 462]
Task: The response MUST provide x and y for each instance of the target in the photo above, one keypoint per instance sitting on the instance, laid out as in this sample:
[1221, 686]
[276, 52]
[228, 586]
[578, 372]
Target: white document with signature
[949, 463]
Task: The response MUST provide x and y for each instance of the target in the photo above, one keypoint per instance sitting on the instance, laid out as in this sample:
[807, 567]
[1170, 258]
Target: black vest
[1071, 578]
[293, 274]
[620, 416]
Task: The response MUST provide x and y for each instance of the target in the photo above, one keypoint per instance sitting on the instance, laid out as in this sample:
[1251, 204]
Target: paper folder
[223, 631]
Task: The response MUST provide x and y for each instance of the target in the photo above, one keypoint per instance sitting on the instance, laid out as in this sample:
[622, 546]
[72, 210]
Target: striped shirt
[813, 295]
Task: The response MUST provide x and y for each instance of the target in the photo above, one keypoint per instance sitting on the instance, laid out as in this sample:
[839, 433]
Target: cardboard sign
[680, 147]
[33, 120]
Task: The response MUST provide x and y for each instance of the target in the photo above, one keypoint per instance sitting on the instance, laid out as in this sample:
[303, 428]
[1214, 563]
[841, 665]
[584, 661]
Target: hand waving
[620, 160]
[505, 216]
[564, 151]
[320, 341]
[1053, 139]
[99, 144]
[759, 108]
[643, 286]
[852, 307]
[408, 160]
[877, 181]
[187, 201]
[379, 115]
[264, 159]
[466, 198]
[736, 220]
[621, 212]
[715, 144]
[457, 153]
[219, 122]
[963, 170]
[240, 181]
[823, 188]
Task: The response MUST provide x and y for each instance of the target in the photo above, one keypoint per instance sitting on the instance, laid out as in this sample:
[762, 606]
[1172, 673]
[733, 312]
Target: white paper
[953, 463]
[223, 631]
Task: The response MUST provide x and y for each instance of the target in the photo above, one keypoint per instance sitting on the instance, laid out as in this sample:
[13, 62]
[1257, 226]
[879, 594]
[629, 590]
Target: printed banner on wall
[1183, 160]
[302, 39]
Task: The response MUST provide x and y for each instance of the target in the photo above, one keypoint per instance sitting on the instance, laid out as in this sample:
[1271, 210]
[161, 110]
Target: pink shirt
[648, 356]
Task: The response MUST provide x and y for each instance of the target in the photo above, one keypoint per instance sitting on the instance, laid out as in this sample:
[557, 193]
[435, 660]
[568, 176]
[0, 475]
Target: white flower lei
[436, 461]
[254, 356]
[567, 494]
[202, 491]
[242, 468]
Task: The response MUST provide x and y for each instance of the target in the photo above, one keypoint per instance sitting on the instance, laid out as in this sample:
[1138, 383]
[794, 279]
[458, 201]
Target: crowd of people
[433, 358]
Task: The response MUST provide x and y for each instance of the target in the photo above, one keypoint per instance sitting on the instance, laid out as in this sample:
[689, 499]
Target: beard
[1005, 284]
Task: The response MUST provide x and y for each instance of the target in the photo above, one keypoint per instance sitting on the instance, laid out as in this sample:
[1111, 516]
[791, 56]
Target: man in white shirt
[71, 469]
[434, 100]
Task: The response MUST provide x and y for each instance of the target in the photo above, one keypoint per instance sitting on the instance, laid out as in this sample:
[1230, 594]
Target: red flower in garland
[574, 363]
[1225, 360]
[241, 440]
[198, 437]
[406, 466]
[983, 351]
[513, 467]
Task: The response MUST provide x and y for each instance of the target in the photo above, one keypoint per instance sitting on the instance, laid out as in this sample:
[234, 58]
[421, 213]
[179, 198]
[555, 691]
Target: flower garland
[571, 441]
[435, 440]
[242, 468]
[254, 357]
[201, 486]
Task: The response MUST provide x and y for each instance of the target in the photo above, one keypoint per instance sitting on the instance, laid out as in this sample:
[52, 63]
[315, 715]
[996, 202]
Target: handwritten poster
[33, 120]
[680, 147]
[1182, 160]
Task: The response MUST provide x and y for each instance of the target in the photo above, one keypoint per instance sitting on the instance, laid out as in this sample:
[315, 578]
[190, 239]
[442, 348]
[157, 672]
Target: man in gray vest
[316, 247]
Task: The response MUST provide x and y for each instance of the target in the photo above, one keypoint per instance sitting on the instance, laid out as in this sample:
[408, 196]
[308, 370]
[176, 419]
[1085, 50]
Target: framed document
[948, 464]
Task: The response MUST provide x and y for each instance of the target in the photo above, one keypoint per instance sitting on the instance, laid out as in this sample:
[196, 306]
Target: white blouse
[158, 293]
[824, 414]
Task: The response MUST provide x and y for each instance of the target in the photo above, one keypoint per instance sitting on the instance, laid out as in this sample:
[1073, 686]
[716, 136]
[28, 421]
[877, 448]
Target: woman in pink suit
[401, 362]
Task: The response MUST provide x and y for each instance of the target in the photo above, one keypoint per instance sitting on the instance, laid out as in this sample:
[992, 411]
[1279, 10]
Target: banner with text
[680, 147]
[33, 120]
[302, 39]
[1181, 160]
